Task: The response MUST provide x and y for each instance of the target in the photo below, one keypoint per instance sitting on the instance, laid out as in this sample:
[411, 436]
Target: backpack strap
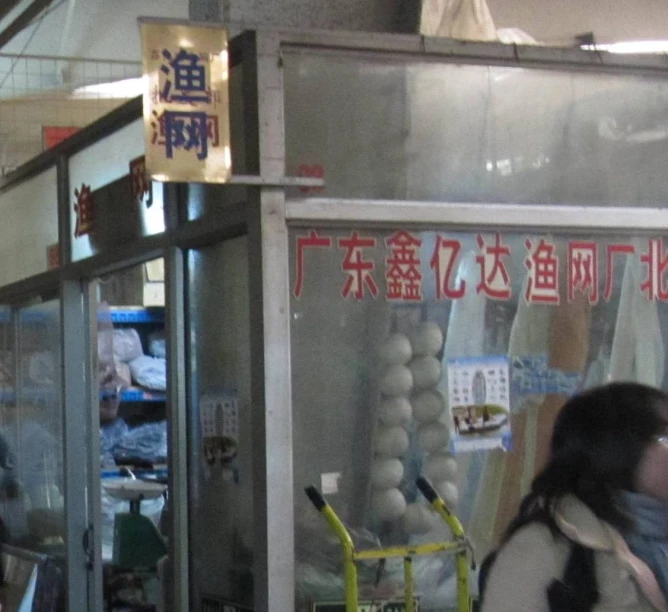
[577, 591]
[483, 573]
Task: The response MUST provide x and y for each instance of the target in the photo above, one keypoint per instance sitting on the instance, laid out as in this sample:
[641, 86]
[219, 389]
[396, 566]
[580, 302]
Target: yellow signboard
[186, 103]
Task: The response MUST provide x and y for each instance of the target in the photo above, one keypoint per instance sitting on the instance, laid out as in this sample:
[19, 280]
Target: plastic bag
[127, 345]
[105, 348]
[150, 372]
[461, 19]
[319, 568]
[146, 442]
[157, 345]
[123, 374]
[110, 436]
[41, 368]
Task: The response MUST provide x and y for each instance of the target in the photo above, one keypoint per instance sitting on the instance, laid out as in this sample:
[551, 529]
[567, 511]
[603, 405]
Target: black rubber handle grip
[426, 489]
[316, 497]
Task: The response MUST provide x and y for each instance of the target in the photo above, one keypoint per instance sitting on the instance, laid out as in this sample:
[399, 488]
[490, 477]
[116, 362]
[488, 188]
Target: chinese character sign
[543, 267]
[186, 103]
[402, 267]
[141, 184]
[83, 210]
[411, 267]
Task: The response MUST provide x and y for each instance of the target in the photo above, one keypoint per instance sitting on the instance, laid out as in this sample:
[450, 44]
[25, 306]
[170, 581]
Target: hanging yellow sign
[186, 102]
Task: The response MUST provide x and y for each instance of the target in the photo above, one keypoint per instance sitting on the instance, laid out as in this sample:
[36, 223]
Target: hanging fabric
[461, 19]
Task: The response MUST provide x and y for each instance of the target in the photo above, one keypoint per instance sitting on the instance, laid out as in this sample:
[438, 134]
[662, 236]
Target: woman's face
[652, 474]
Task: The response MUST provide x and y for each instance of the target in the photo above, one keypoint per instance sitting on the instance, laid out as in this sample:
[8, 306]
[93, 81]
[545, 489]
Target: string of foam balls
[409, 391]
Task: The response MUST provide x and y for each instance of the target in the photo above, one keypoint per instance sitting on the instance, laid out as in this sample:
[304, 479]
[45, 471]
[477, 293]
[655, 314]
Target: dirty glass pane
[448, 354]
[473, 133]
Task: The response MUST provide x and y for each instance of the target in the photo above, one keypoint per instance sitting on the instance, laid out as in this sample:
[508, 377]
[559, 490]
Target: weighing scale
[138, 544]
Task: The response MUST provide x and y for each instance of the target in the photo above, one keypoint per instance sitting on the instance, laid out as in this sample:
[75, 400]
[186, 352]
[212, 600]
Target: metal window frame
[342, 211]
[273, 557]
[447, 50]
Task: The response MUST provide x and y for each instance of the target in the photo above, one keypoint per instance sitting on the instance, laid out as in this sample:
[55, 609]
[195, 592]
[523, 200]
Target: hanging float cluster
[410, 396]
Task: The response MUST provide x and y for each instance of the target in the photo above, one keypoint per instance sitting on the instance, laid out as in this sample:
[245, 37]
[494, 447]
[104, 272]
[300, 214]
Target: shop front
[425, 248]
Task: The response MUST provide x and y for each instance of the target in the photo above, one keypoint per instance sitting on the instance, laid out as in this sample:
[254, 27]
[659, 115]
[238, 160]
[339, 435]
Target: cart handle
[427, 489]
[437, 503]
[316, 497]
[335, 524]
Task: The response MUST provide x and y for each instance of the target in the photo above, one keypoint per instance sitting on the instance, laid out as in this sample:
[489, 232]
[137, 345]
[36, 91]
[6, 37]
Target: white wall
[99, 29]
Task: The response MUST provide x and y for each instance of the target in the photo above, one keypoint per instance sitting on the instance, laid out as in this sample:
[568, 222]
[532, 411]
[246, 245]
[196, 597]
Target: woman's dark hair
[598, 441]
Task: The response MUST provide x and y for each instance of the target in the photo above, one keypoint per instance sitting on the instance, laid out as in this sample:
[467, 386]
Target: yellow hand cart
[459, 546]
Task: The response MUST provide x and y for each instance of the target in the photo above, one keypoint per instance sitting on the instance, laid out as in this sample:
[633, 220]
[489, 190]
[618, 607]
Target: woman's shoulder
[536, 538]
[523, 568]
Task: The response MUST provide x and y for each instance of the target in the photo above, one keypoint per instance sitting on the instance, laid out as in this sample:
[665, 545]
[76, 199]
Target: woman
[604, 491]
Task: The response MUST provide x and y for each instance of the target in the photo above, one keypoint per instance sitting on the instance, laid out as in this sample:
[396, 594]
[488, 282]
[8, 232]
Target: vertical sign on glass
[186, 103]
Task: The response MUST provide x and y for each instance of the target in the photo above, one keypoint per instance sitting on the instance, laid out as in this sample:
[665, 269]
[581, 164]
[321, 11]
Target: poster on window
[186, 102]
[479, 403]
[219, 422]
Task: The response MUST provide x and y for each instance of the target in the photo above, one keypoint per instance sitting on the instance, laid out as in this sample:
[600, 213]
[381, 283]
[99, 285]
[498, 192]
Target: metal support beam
[273, 564]
[8, 7]
[177, 433]
[22, 21]
[76, 404]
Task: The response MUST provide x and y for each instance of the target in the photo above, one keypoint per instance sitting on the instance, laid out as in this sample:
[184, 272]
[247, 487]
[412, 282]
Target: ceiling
[17, 15]
[557, 23]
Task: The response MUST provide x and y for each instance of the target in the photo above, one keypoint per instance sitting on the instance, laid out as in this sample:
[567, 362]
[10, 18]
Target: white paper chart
[219, 420]
[479, 402]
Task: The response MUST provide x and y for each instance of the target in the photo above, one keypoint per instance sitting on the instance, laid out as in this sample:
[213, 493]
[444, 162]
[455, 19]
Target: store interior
[132, 375]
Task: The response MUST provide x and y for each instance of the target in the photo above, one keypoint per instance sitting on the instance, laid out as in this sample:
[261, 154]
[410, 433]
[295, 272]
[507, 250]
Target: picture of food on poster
[449, 354]
[219, 423]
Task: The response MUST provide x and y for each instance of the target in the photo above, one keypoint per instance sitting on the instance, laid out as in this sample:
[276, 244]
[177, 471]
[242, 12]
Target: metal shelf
[142, 395]
[136, 394]
[35, 394]
[137, 314]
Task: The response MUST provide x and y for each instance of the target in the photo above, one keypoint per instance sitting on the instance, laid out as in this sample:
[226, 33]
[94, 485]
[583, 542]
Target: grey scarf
[649, 539]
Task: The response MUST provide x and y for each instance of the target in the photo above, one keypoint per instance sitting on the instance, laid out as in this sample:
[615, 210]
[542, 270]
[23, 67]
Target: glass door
[219, 427]
[131, 413]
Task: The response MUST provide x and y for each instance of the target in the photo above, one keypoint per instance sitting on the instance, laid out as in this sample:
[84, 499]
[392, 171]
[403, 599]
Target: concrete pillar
[365, 15]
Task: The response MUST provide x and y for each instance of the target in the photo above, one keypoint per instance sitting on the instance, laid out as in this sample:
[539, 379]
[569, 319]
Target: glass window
[31, 506]
[221, 450]
[105, 212]
[446, 132]
[30, 216]
[448, 354]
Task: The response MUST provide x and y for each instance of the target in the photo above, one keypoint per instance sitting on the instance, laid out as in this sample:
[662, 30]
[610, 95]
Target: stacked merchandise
[411, 401]
[123, 364]
[392, 440]
[429, 412]
[133, 366]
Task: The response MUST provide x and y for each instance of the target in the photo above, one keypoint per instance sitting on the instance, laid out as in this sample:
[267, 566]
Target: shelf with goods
[40, 394]
[145, 321]
[138, 394]
[133, 429]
